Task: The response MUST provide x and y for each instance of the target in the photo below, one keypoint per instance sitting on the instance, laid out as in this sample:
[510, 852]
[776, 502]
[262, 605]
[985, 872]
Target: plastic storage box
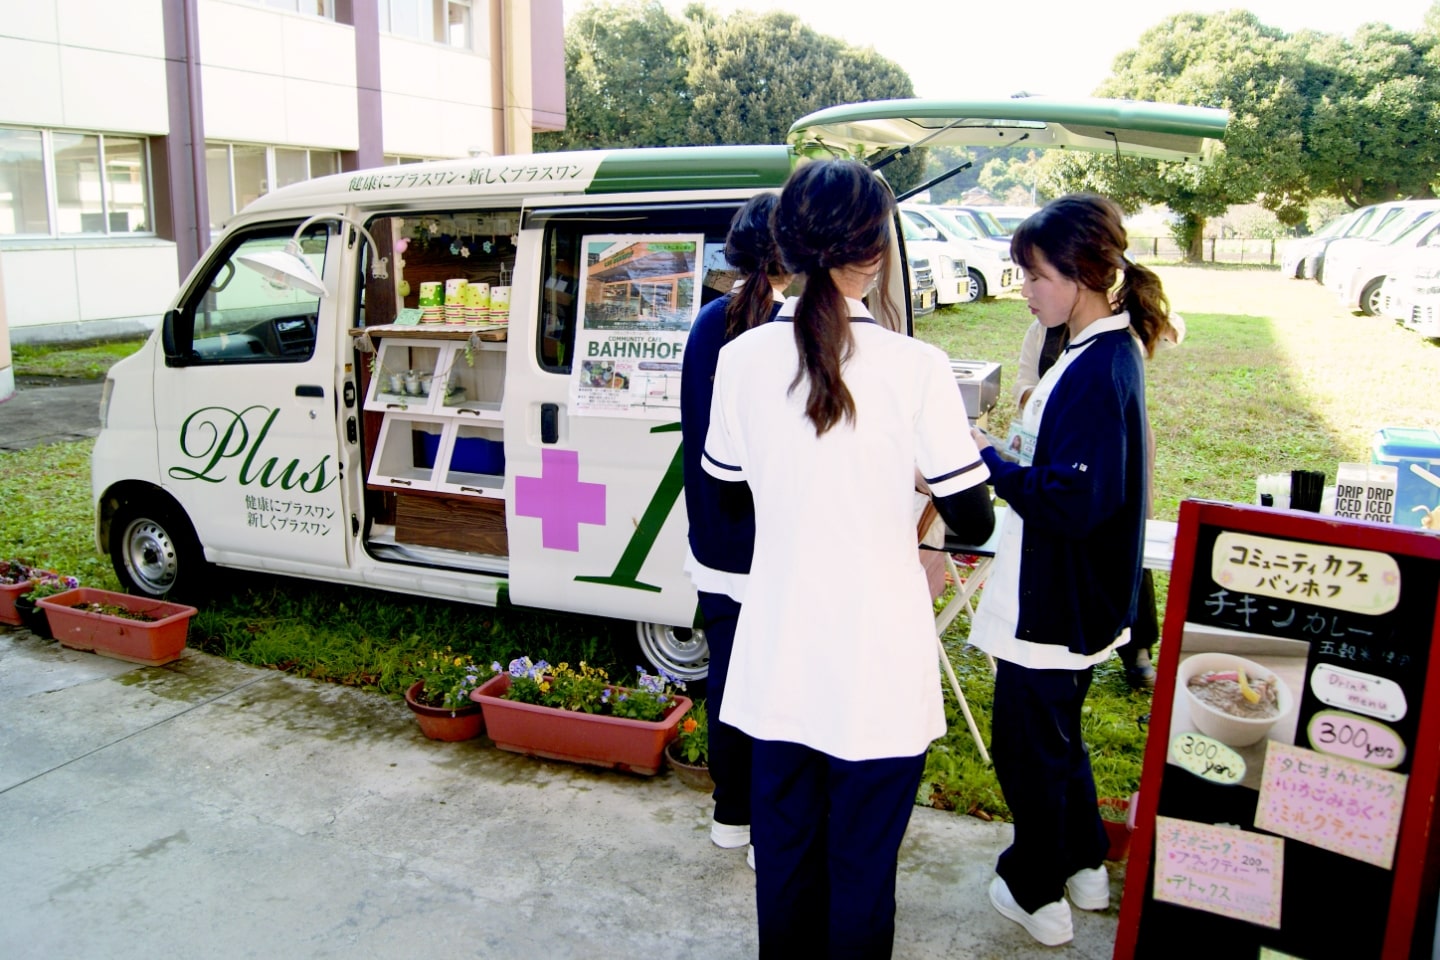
[1414, 452]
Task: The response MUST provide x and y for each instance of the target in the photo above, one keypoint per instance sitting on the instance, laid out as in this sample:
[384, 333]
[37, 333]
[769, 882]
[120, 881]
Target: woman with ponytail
[1063, 592]
[827, 416]
[722, 528]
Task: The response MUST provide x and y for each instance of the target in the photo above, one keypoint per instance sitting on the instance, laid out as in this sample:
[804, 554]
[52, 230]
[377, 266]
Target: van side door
[246, 409]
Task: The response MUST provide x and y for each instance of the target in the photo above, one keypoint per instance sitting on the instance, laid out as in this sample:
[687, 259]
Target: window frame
[52, 187]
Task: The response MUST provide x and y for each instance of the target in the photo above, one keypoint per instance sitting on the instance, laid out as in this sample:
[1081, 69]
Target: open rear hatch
[880, 130]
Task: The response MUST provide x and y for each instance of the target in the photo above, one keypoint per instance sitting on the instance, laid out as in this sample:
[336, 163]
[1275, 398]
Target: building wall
[267, 77]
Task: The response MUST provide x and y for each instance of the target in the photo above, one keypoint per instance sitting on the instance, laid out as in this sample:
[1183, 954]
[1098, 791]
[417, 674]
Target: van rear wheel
[680, 651]
[155, 552]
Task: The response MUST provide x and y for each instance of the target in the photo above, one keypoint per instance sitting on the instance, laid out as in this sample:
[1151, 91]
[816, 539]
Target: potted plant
[579, 716]
[32, 616]
[689, 753]
[16, 578]
[440, 697]
[137, 629]
[1115, 814]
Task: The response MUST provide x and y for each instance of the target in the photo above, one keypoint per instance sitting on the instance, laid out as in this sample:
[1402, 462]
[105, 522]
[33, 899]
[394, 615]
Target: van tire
[975, 289]
[155, 552]
[680, 651]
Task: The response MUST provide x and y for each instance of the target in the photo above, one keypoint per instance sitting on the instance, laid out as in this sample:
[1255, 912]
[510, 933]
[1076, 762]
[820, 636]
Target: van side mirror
[177, 337]
[929, 233]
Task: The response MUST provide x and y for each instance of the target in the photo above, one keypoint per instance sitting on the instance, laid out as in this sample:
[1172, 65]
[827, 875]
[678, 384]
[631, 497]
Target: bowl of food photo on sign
[1232, 699]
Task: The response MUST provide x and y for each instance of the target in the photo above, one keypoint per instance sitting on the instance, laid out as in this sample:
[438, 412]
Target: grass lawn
[1273, 376]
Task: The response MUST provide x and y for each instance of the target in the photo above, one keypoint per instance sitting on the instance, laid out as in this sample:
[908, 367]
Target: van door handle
[549, 423]
[309, 390]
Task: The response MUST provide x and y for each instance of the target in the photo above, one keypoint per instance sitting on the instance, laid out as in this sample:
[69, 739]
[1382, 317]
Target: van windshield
[953, 225]
[1400, 226]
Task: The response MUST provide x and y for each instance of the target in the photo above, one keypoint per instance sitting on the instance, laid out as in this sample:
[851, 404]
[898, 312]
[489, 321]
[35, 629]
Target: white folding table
[1159, 548]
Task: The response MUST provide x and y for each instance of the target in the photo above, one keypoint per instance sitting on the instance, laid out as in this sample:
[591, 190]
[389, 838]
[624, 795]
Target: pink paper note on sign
[1338, 805]
[1219, 869]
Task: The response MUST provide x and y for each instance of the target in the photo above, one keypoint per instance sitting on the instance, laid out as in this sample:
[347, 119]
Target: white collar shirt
[835, 645]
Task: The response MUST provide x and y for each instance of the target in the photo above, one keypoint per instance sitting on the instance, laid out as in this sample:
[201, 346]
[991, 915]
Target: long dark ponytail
[750, 248]
[1082, 235]
[832, 213]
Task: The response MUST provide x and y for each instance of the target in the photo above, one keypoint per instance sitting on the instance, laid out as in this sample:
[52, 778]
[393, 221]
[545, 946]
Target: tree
[624, 79]
[635, 76]
[1370, 135]
[1226, 60]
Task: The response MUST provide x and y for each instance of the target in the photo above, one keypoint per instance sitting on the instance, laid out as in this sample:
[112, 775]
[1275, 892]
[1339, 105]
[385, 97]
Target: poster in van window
[639, 293]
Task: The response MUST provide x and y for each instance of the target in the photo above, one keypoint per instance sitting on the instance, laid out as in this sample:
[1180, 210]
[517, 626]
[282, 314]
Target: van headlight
[1004, 256]
[947, 266]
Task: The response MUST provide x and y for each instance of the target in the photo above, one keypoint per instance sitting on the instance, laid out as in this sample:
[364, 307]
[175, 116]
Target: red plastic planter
[441, 723]
[8, 593]
[1118, 831]
[151, 642]
[637, 746]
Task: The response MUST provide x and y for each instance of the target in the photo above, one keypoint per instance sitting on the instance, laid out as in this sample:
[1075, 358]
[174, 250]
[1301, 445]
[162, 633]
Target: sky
[994, 48]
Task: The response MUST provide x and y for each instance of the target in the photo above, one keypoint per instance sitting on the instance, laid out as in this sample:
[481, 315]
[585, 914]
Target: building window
[391, 160]
[455, 23]
[315, 8]
[66, 183]
[239, 173]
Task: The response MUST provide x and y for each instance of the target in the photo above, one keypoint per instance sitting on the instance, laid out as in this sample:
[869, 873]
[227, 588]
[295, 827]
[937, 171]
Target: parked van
[989, 269]
[1356, 267]
[460, 379]
[946, 263]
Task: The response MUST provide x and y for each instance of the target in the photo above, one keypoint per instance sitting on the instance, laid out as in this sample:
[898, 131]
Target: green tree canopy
[1311, 114]
[637, 77]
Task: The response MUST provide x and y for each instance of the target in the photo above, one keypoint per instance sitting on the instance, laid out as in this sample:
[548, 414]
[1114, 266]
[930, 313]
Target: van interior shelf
[435, 331]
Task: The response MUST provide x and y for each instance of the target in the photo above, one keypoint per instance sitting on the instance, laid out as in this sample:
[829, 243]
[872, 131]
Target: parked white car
[1355, 268]
[1410, 294]
[1011, 217]
[1300, 255]
[1368, 221]
[947, 262]
[988, 265]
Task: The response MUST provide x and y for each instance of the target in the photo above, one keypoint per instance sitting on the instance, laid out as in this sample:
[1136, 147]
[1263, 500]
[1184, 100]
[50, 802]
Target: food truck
[460, 379]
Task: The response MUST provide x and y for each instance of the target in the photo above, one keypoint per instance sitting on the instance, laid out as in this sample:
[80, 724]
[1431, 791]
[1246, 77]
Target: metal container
[979, 384]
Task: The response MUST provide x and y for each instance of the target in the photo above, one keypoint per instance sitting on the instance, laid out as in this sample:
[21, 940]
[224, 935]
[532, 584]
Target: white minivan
[460, 379]
[989, 268]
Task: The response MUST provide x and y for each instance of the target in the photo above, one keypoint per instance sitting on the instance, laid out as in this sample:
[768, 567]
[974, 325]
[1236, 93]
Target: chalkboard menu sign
[1287, 803]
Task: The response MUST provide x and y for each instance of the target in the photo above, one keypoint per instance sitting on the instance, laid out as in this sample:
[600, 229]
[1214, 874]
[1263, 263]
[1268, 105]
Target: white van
[460, 379]
[989, 269]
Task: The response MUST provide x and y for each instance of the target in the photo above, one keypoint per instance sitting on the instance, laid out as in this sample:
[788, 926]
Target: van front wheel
[155, 553]
[680, 651]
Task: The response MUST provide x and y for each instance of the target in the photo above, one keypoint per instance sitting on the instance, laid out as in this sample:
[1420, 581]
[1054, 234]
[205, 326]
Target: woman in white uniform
[827, 415]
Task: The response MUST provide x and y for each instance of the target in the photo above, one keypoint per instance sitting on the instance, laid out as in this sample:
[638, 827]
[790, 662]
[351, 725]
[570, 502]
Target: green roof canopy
[1137, 128]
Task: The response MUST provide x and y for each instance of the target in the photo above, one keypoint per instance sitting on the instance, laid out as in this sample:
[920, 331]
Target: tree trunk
[1195, 228]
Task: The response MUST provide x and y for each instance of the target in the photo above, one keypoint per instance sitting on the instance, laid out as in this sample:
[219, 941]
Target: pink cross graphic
[560, 500]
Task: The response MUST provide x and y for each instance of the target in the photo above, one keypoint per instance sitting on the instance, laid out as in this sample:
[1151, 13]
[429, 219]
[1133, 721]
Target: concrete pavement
[210, 809]
[49, 410]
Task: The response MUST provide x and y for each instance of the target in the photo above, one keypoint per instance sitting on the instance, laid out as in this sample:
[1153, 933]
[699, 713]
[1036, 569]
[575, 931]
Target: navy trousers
[827, 836]
[1145, 631]
[729, 746]
[1044, 770]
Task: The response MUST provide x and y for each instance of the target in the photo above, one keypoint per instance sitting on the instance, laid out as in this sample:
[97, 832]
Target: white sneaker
[729, 835]
[750, 857]
[1090, 889]
[1051, 924]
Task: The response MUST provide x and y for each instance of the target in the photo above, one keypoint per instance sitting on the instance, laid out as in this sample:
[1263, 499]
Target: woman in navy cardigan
[1063, 594]
[722, 522]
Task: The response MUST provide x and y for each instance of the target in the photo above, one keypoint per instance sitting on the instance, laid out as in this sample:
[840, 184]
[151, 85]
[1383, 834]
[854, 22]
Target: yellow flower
[459, 661]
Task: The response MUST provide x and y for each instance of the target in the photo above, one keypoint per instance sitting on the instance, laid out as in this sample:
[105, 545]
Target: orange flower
[689, 725]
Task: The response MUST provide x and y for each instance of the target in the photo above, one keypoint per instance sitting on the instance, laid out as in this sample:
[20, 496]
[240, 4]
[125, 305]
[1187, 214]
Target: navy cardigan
[1083, 500]
[722, 521]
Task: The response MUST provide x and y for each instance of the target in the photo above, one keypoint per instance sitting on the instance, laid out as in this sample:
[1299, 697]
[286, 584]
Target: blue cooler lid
[1408, 443]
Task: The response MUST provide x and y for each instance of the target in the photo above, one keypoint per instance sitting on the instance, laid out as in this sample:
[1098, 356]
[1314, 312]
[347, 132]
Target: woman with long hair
[722, 528]
[1063, 592]
[827, 415]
